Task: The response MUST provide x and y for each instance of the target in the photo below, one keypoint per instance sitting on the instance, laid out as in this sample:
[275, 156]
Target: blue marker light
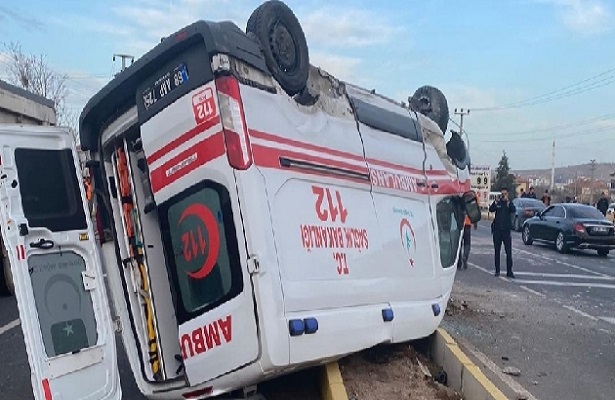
[311, 325]
[296, 327]
[387, 315]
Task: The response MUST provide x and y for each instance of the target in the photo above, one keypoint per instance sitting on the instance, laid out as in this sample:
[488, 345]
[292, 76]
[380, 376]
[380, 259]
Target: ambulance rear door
[59, 285]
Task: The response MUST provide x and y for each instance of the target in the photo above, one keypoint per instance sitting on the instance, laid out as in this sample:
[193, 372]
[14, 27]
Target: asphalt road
[554, 322]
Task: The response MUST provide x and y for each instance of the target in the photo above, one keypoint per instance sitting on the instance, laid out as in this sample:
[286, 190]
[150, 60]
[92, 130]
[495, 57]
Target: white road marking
[512, 384]
[582, 313]
[556, 261]
[563, 276]
[9, 326]
[568, 284]
[610, 320]
[527, 289]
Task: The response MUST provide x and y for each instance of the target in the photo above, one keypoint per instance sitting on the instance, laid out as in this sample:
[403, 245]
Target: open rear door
[57, 272]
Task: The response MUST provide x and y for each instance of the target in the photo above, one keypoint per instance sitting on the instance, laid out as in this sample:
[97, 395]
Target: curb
[332, 385]
[463, 375]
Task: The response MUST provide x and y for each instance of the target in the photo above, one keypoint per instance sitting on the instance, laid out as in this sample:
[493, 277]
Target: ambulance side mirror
[471, 207]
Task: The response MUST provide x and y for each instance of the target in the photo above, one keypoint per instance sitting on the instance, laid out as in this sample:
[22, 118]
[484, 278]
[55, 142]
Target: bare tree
[33, 73]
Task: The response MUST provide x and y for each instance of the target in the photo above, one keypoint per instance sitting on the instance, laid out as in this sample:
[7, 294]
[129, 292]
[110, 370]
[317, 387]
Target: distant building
[18, 106]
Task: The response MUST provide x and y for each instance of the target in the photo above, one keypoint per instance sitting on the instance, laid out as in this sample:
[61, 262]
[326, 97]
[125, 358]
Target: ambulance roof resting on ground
[255, 215]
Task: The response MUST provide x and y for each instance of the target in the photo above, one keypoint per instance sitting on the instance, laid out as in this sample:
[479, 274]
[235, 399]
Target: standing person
[523, 194]
[467, 241]
[531, 194]
[603, 204]
[500, 229]
[546, 199]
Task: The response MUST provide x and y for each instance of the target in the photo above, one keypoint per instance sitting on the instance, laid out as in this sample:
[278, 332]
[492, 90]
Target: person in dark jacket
[546, 199]
[603, 204]
[500, 229]
[531, 194]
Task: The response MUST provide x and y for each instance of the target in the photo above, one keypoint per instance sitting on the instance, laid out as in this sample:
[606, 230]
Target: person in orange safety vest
[467, 241]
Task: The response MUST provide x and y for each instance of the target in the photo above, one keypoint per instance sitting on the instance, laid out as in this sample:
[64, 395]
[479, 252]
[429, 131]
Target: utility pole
[461, 113]
[124, 57]
[591, 185]
[553, 167]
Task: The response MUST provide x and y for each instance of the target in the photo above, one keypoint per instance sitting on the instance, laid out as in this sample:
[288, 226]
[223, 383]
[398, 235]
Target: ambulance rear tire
[283, 44]
[7, 287]
[431, 102]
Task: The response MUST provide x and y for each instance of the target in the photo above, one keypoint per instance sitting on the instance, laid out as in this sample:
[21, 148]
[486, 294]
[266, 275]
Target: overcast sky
[529, 70]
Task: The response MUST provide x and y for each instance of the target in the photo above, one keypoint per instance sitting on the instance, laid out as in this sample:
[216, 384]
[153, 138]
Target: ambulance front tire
[283, 43]
[431, 102]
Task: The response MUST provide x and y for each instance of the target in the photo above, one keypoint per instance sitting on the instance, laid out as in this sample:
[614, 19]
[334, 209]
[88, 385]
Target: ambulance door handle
[43, 244]
[23, 229]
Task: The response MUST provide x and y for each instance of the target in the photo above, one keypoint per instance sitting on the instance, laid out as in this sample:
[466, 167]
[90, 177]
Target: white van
[255, 215]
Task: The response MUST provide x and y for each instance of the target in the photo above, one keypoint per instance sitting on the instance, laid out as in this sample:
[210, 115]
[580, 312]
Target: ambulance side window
[449, 216]
[49, 189]
[201, 249]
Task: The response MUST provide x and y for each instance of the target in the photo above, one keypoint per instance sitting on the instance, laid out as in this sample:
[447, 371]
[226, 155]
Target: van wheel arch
[283, 44]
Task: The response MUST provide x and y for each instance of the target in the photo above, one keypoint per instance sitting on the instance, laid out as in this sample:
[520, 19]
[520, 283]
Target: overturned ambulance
[254, 215]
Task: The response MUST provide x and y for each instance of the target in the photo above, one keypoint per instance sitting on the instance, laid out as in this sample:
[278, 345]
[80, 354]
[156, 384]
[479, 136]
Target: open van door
[56, 265]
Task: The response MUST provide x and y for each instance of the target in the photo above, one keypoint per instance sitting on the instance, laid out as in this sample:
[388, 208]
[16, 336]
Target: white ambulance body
[244, 232]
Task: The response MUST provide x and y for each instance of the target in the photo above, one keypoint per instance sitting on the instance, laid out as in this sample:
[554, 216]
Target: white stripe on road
[9, 326]
[527, 289]
[570, 308]
[569, 284]
[556, 261]
[582, 313]
[563, 276]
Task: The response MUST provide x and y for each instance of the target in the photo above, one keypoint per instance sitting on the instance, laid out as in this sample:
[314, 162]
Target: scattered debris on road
[512, 371]
[393, 372]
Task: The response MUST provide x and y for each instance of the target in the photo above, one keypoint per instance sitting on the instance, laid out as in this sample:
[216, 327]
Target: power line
[544, 150]
[600, 118]
[579, 87]
[562, 136]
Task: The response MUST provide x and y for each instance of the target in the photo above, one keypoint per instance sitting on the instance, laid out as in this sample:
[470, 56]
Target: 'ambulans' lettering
[393, 181]
[206, 338]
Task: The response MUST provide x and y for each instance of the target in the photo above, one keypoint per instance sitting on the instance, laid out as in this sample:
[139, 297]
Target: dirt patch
[393, 372]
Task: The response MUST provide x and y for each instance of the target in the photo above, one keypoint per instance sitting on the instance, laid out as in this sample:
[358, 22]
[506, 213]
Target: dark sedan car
[571, 226]
[526, 209]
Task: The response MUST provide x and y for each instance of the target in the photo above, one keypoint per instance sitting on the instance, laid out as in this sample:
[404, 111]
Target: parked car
[526, 209]
[571, 226]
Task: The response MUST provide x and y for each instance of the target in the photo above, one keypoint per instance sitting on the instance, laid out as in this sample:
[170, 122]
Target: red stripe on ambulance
[21, 252]
[187, 161]
[175, 143]
[302, 145]
[270, 157]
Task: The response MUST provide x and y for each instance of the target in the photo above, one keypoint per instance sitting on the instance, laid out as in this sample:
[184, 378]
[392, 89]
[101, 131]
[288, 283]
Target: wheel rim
[560, 241]
[526, 234]
[283, 46]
